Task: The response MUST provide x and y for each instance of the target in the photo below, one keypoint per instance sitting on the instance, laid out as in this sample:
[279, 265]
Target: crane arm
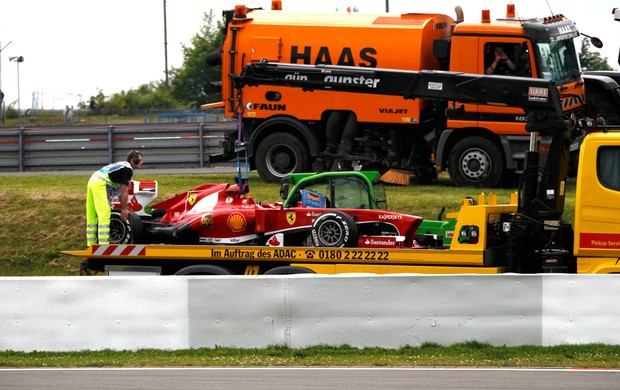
[539, 98]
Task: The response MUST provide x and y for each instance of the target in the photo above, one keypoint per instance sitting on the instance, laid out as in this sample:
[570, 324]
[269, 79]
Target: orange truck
[286, 131]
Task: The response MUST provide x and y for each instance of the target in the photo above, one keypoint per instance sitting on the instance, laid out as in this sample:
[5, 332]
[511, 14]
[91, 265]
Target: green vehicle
[355, 189]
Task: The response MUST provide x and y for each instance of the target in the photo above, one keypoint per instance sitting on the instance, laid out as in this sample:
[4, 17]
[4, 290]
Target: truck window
[380, 197]
[499, 58]
[517, 61]
[350, 193]
[559, 61]
[608, 167]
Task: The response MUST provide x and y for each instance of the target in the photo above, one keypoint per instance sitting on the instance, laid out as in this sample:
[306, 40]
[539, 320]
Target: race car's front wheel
[334, 229]
[129, 231]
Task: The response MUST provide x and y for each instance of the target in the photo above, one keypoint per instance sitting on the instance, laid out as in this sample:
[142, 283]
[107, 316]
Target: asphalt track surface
[308, 378]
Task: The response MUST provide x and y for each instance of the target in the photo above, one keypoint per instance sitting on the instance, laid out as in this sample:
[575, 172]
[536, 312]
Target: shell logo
[236, 221]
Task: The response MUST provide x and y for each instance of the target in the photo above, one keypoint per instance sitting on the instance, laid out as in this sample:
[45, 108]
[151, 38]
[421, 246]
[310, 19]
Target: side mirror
[596, 42]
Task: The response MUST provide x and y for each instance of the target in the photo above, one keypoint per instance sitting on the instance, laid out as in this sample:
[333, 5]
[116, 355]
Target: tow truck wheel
[129, 231]
[289, 270]
[334, 229]
[203, 269]
[476, 162]
[280, 154]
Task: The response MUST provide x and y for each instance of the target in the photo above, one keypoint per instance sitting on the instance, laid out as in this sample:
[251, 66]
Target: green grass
[45, 214]
[470, 354]
[46, 118]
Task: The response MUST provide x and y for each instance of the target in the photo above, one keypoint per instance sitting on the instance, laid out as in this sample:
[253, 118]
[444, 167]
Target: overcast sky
[72, 49]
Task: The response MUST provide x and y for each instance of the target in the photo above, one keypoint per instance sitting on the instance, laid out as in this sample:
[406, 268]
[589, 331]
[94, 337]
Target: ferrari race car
[331, 209]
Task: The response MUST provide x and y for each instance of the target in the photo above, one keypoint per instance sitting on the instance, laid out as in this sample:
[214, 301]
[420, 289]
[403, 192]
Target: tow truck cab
[597, 204]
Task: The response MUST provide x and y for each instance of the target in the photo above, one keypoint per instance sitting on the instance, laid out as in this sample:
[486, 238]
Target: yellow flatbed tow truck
[525, 235]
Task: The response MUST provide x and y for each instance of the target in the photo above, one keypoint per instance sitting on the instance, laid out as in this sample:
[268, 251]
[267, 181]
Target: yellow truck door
[597, 204]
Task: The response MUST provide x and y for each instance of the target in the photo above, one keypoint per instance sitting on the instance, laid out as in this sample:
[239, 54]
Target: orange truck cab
[287, 130]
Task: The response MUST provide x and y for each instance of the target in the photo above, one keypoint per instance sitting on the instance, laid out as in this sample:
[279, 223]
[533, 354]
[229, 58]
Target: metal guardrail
[83, 147]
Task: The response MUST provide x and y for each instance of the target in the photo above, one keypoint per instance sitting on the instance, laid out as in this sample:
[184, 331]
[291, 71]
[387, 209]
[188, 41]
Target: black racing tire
[280, 154]
[137, 229]
[203, 269]
[476, 162]
[289, 270]
[129, 231]
[334, 229]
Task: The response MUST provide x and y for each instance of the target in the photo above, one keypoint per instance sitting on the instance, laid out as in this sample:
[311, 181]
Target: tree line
[185, 83]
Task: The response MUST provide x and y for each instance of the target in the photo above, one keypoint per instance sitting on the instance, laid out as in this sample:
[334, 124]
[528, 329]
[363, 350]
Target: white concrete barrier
[391, 311]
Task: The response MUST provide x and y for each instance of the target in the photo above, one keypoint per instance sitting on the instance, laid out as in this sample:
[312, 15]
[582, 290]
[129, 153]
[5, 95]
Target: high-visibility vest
[104, 173]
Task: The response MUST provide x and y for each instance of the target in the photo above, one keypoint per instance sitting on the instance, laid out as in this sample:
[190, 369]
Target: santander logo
[380, 242]
[276, 240]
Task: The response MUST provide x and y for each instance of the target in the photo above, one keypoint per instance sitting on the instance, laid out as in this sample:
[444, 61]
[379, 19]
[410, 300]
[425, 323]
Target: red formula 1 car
[331, 209]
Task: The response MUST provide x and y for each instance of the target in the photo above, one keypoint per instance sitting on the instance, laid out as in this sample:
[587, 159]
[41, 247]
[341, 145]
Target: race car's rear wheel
[334, 229]
[129, 231]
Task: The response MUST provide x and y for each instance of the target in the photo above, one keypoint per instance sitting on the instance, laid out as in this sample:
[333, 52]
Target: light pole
[1, 49]
[166, 46]
[17, 59]
[1, 93]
